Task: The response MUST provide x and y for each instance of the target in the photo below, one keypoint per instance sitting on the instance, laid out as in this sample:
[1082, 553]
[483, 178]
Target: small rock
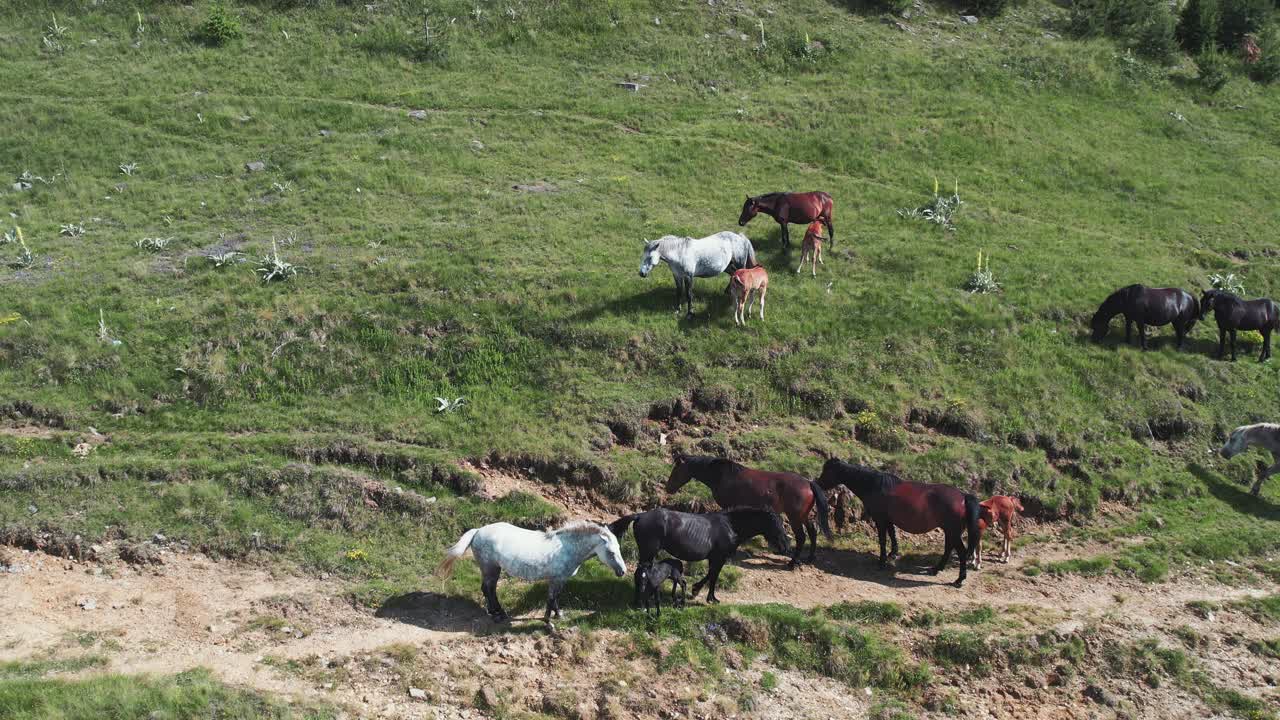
[255, 166]
[286, 630]
[32, 509]
[82, 450]
[632, 86]
[244, 118]
[477, 145]
[418, 114]
[1035, 682]
[326, 133]
[417, 694]
[969, 19]
[20, 186]
[87, 603]
[1067, 628]
[159, 538]
[1101, 695]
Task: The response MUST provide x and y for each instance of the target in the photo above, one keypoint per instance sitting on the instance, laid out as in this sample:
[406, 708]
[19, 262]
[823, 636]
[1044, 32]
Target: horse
[998, 511]
[1263, 435]
[552, 555]
[915, 507]
[649, 580]
[1234, 313]
[811, 247]
[691, 258]
[744, 287]
[713, 537]
[785, 493]
[799, 208]
[1147, 306]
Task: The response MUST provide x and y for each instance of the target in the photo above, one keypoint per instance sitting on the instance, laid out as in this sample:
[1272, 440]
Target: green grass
[191, 694]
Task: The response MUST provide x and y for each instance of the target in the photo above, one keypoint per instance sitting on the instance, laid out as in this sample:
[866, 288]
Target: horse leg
[553, 592]
[489, 585]
[964, 558]
[797, 526]
[946, 555]
[763, 290]
[1266, 346]
[1233, 344]
[1128, 330]
[1181, 330]
[713, 574]
[803, 255]
[1142, 336]
[977, 553]
[1222, 341]
[1256, 490]
[786, 236]
[893, 541]
[884, 532]
[813, 541]
[831, 231]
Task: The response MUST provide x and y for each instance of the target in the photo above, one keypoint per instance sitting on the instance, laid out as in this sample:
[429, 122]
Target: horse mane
[768, 196]
[575, 527]
[884, 481]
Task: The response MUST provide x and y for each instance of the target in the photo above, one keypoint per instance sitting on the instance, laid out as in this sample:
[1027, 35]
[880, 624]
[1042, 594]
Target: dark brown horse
[1147, 306]
[798, 208]
[915, 507]
[1233, 313]
[734, 485]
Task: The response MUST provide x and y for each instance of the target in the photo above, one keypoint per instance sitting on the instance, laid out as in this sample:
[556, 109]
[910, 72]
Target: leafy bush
[1267, 70]
[982, 280]
[1198, 26]
[1228, 282]
[1144, 26]
[1241, 17]
[989, 8]
[1215, 70]
[220, 27]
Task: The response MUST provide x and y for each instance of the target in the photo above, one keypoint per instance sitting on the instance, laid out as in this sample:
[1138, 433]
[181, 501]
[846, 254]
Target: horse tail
[456, 552]
[972, 512]
[824, 508]
[751, 255]
[619, 527]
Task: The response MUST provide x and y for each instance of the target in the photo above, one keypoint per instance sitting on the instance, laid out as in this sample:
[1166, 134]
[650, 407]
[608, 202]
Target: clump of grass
[71, 230]
[129, 168]
[275, 267]
[23, 258]
[1263, 610]
[55, 35]
[222, 259]
[941, 209]
[154, 244]
[982, 281]
[866, 611]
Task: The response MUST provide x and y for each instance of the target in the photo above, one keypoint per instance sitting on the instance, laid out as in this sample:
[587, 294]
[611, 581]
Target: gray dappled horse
[691, 258]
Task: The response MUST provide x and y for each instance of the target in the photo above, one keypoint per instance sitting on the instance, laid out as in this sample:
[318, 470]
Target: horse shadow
[862, 565]
[1156, 340]
[708, 304]
[434, 611]
[1242, 501]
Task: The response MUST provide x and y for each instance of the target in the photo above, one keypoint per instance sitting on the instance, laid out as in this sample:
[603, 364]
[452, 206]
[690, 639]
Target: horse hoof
[934, 571]
[713, 600]
[957, 583]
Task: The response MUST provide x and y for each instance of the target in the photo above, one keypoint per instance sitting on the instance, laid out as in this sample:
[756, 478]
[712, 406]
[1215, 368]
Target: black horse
[915, 507]
[1233, 313]
[713, 537]
[1147, 306]
[650, 579]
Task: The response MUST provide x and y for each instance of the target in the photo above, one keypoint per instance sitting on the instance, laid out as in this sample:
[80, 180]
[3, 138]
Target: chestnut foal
[744, 282]
[812, 247]
[1000, 511]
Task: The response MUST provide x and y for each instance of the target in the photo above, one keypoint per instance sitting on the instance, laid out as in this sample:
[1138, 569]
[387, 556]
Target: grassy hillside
[465, 191]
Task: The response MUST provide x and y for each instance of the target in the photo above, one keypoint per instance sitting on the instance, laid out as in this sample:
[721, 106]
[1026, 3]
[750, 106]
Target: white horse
[1263, 435]
[691, 258]
[553, 555]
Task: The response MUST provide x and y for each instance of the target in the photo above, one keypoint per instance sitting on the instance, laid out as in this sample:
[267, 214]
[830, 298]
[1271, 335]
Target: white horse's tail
[456, 552]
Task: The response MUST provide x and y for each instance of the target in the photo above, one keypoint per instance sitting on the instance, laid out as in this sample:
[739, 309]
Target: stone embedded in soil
[1101, 695]
[87, 603]
[417, 694]
[255, 166]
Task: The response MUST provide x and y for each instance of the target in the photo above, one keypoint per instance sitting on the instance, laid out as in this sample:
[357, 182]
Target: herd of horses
[754, 502]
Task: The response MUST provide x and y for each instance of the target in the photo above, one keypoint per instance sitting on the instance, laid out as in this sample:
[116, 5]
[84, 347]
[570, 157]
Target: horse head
[651, 257]
[1236, 443]
[830, 476]
[749, 522]
[1207, 300]
[680, 474]
[749, 210]
[1100, 323]
[609, 552]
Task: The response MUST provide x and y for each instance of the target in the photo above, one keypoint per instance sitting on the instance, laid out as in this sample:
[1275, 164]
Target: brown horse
[915, 507]
[798, 208]
[734, 485]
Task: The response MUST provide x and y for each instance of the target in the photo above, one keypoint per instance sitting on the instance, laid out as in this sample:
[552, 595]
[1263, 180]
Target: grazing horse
[649, 580]
[783, 492]
[915, 507]
[1233, 313]
[553, 555]
[998, 511]
[811, 247]
[713, 537]
[798, 208]
[1147, 306]
[691, 258]
[1263, 435]
[746, 285]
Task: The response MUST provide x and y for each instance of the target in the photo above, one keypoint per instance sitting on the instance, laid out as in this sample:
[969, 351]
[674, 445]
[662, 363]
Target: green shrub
[1267, 70]
[1144, 26]
[894, 6]
[989, 8]
[1198, 25]
[1240, 17]
[219, 27]
[1215, 70]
